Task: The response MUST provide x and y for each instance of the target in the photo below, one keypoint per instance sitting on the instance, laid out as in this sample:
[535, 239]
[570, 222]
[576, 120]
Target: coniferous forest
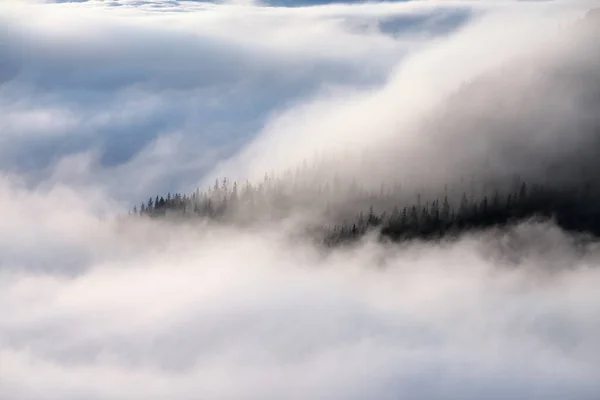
[389, 213]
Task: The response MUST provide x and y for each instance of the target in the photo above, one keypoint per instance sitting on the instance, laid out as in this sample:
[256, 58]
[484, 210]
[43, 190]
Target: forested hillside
[494, 123]
[572, 208]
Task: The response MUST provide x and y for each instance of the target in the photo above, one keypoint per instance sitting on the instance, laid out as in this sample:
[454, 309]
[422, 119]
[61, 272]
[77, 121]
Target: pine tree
[445, 214]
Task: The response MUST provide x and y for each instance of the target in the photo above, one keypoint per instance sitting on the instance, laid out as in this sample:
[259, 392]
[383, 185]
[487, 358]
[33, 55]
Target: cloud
[477, 100]
[102, 309]
[115, 79]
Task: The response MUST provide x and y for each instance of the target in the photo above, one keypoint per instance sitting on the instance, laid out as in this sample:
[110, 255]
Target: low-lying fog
[98, 309]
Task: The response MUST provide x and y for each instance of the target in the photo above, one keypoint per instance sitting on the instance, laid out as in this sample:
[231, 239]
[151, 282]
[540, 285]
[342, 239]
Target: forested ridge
[561, 188]
[573, 208]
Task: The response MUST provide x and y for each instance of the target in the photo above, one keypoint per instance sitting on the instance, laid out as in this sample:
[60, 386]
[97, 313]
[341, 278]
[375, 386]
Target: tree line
[389, 211]
[572, 209]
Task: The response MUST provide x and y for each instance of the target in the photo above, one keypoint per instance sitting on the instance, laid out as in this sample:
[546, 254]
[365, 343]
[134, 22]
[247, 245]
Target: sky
[106, 103]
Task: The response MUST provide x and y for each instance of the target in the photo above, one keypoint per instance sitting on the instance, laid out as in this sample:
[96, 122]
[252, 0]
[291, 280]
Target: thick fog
[98, 309]
[106, 103]
[481, 103]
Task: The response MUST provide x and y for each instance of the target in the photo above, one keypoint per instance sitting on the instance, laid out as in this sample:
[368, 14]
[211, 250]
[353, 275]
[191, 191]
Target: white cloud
[421, 123]
[151, 312]
[126, 75]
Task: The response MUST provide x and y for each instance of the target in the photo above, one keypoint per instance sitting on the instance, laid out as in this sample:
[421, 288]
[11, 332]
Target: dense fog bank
[95, 308]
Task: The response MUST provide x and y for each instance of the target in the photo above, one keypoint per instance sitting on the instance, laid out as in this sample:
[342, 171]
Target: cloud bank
[94, 309]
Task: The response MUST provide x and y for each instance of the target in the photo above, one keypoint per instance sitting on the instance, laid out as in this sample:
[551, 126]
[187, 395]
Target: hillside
[525, 135]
